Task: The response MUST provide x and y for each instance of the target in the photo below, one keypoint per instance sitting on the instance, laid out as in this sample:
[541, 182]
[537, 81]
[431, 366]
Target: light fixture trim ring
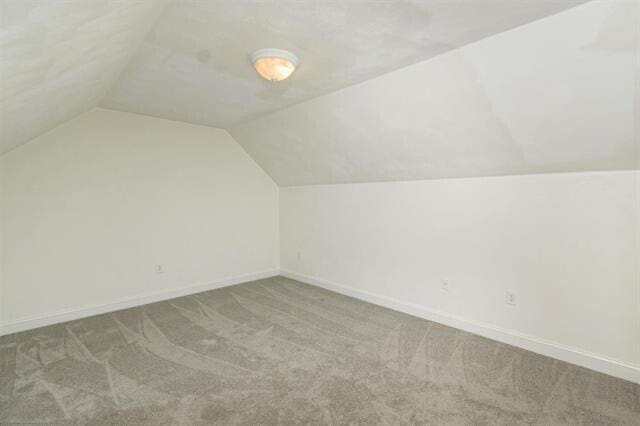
[275, 53]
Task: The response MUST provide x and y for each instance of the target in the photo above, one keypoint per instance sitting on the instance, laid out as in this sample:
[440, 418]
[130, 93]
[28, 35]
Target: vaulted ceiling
[58, 58]
[558, 95]
[194, 63]
[384, 91]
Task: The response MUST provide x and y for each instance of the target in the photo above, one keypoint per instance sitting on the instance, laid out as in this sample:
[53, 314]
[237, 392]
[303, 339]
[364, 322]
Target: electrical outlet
[445, 285]
[159, 269]
[510, 298]
[298, 256]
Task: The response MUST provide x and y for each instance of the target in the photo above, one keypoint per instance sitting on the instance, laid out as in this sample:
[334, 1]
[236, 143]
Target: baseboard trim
[129, 302]
[541, 346]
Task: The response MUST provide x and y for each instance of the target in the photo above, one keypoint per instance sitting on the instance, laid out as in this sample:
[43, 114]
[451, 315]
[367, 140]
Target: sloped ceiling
[58, 58]
[384, 91]
[194, 64]
[556, 95]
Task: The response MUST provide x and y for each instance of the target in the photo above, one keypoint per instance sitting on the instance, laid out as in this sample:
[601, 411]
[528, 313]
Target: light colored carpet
[277, 351]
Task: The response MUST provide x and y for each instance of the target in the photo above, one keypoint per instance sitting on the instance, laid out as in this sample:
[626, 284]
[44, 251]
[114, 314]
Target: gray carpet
[277, 351]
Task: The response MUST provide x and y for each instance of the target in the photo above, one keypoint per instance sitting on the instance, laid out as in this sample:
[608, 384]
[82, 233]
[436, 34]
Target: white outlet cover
[510, 298]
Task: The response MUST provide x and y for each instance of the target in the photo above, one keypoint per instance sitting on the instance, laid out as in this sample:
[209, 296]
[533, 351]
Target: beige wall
[90, 208]
[566, 244]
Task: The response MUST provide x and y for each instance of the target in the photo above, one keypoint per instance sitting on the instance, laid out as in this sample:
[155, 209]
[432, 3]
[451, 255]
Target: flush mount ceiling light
[274, 64]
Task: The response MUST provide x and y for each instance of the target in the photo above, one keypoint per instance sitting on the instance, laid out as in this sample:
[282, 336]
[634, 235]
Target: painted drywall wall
[566, 244]
[90, 209]
[556, 95]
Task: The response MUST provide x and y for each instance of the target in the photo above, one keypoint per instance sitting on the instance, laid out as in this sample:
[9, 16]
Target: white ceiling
[59, 58]
[194, 64]
[384, 92]
[557, 95]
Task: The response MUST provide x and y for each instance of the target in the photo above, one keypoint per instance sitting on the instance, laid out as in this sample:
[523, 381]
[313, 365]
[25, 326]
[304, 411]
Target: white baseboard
[129, 302]
[544, 347]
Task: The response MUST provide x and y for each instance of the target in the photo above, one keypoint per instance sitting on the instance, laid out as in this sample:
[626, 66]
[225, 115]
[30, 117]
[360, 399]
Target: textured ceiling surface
[384, 90]
[194, 64]
[556, 95]
[58, 58]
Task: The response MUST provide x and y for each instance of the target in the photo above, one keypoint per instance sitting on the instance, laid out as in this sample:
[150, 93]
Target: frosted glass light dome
[274, 64]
